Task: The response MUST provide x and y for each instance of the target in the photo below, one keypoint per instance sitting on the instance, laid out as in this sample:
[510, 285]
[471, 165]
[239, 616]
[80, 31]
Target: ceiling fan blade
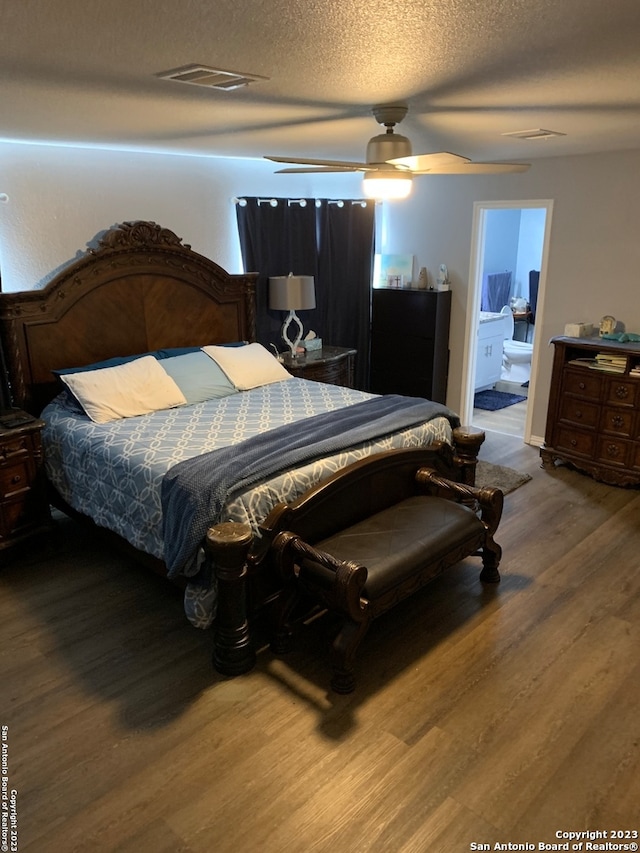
[477, 169]
[309, 169]
[427, 162]
[309, 161]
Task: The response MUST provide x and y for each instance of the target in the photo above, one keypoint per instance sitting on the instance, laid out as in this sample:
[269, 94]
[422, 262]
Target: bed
[141, 293]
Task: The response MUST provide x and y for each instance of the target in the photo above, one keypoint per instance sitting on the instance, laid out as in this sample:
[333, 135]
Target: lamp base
[293, 345]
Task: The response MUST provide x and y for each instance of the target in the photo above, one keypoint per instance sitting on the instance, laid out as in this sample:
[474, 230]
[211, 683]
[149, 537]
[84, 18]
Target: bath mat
[491, 401]
[503, 478]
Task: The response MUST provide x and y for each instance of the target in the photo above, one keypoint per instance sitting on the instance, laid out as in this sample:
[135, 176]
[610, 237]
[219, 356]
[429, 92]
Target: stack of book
[635, 371]
[610, 362]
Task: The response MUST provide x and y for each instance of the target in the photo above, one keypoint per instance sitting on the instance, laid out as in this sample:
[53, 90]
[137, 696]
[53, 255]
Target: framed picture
[399, 267]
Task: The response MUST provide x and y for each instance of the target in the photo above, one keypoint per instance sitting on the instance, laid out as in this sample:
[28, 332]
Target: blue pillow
[198, 376]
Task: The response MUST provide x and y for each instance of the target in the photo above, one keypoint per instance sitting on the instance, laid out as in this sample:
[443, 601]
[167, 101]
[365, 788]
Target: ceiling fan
[390, 164]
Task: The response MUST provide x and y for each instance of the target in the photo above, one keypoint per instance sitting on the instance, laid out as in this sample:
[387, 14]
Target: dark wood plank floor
[482, 715]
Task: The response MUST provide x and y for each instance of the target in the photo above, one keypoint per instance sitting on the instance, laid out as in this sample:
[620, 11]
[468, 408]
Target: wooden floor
[482, 715]
[509, 421]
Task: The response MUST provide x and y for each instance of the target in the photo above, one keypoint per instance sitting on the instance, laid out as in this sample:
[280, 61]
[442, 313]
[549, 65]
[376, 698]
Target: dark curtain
[346, 242]
[276, 239]
[331, 240]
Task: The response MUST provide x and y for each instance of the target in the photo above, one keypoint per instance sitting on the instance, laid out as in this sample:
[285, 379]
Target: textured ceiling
[470, 70]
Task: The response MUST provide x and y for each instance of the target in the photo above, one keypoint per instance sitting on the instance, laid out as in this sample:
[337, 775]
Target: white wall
[61, 198]
[530, 244]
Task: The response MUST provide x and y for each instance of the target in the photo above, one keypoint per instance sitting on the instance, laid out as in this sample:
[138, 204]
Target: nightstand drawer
[334, 374]
[15, 478]
[334, 365]
[16, 516]
[14, 447]
[24, 507]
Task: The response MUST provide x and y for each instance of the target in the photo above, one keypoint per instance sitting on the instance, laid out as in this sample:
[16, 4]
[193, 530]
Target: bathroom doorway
[509, 240]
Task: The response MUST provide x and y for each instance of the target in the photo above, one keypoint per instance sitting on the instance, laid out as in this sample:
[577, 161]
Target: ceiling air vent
[537, 133]
[210, 78]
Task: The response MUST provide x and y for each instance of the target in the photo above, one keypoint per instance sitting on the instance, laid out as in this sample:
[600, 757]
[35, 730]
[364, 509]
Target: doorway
[509, 239]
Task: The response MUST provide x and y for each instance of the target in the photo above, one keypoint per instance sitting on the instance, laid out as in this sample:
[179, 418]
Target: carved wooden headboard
[142, 289]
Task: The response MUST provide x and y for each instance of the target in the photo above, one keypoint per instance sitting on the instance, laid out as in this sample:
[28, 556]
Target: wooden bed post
[228, 544]
[466, 442]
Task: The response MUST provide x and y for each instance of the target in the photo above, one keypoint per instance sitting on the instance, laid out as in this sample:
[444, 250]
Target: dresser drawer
[617, 421]
[583, 384]
[621, 392]
[575, 441]
[614, 451]
[579, 412]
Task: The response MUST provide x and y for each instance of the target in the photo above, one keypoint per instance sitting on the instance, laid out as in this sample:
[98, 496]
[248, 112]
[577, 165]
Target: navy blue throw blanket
[194, 491]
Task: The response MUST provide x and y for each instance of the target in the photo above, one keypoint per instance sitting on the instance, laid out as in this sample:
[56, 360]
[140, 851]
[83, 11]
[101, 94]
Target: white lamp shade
[387, 185]
[292, 292]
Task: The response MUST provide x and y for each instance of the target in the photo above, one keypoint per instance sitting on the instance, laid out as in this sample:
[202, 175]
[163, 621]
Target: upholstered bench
[392, 523]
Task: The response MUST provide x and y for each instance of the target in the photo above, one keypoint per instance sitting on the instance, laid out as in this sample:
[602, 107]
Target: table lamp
[292, 293]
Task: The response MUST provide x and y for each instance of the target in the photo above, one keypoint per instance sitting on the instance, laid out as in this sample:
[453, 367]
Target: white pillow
[249, 366]
[135, 388]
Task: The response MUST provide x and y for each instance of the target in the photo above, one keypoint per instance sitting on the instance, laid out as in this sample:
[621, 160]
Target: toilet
[516, 355]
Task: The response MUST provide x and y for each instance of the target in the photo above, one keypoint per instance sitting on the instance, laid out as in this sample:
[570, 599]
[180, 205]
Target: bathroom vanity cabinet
[491, 334]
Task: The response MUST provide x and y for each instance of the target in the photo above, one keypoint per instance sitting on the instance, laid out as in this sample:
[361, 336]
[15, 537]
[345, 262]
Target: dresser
[410, 342]
[593, 419]
[335, 365]
[24, 508]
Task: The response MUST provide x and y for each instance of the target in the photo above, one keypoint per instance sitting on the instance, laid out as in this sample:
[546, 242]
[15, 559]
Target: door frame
[474, 290]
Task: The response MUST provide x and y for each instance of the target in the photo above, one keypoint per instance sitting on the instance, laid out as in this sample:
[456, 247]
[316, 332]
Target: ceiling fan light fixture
[386, 185]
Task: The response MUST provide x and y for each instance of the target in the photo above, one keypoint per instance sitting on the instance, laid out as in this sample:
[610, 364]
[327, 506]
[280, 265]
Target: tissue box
[313, 344]
[578, 330]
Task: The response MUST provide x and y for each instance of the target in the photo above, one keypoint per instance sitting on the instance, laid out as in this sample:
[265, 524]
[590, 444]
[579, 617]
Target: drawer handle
[578, 414]
[15, 479]
[622, 392]
[582, 385]
[573, 442]
[613, 450]
[616, 421]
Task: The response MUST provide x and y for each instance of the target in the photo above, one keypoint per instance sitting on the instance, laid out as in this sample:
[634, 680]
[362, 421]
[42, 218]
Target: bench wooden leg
[343, 652]
[282, 638]
[491, 555]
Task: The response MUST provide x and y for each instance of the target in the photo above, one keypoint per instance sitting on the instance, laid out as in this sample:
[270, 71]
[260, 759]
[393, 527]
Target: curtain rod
[301, 201]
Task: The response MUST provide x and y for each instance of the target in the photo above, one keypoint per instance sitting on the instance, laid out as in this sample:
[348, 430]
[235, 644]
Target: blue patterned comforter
[113, 472]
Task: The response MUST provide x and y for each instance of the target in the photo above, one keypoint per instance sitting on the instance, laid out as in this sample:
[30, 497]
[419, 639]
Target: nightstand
[24, 508]
[335, 365]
